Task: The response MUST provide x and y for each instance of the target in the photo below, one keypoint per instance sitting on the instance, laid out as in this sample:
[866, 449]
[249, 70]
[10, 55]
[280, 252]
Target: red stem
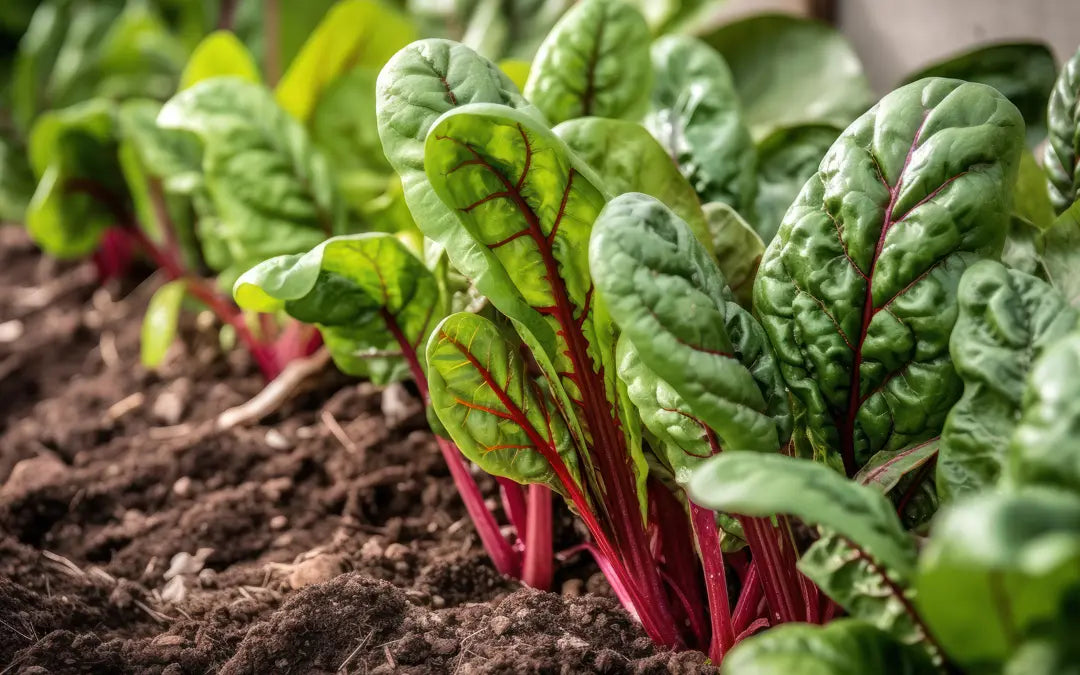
[671, 534]
[712, 558]
[515, 506]
[502, 555]
[746, 609]
[537, 569]
[780, 585]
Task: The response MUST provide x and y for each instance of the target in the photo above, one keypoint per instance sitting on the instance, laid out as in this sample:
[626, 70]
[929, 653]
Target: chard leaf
[420, 83]
[1007, 320]
[1063, 140]
[594, 62]
[671, 302]
[1023, 71]
[844, 647]
[787, 158]
[1032, 201]
[365, 292]
[138, 56]
[219, 54]
[886, 469]
[1024, 248]
[695, 115]
[858, 290]
[16, 181]
[738, 249]
[1044, 449]
[353, 33]
[1061, 254]
[628, 159]
[159, 322]
[517, 71]
[272, 191]
[997, 569]
[170, 155]
[813, 77]
[496, 414]
[80, 191]
[762, 485]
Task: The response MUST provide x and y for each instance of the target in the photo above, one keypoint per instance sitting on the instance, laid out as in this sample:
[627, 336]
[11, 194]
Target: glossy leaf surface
[159, 322]
[787, 158]
[594, 62]
[886, 469]
[737, 247]
[858, 289]
[695, 115]
[1063, 141]
[1061, 254]
[1007, 320]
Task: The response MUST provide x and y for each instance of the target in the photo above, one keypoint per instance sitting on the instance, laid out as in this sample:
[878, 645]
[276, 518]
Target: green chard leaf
[219, 54]
[1023, 71]
[354, 33]
[595, 62]
[695, 115]
[1044, 449]
[787, 158]
[737, 247]
[80, 189]
[999, 569]
[844, 647]
[499, 417]
[170, 155]
[858, 290]
[1063, 141]
[159, 322]
[16, 181]
[1032, 202]
[272, 190]
[671, 301]
[1060, 252]
[628, 159]
[789, 71]
[887, 469]
[367, 293]
[138, 56]
[1007, 320]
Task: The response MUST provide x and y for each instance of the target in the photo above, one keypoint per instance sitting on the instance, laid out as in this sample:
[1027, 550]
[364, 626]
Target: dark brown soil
[135, 538]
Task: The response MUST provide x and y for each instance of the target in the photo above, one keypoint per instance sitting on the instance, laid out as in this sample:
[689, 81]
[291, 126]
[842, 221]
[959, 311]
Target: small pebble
[573, 588]
[444, 646]
[175, 590]
[35, 473]
[438, 601]
[571, 642]
[12, 330]
[278, 522]
[169, 406]
[396, 551]
[500, 624]
[316, 570]
[276, 440]
[182, 486]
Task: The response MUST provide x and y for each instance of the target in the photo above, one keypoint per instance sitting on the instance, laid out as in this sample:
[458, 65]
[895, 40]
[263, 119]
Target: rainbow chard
[375, 304]
[858, 290]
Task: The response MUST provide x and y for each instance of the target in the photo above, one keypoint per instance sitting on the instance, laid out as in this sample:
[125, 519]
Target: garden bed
[331, 536]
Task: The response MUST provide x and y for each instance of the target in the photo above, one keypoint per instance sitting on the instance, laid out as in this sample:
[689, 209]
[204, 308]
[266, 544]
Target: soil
[137, 538]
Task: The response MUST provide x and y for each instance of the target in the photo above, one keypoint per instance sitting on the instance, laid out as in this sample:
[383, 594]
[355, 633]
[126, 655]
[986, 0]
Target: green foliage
[159, 322]
[695, 114]
[1007, 319]
[792, 71]
[16, 181]
[1063, 140]
[858, 289]
[1060, 253]
[219, 54]
[594, 62]
[737, 247]
[787, 158]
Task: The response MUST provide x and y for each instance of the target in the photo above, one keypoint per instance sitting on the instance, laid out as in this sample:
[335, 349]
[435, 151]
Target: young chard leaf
[1063, 140]
[271, 189]
[353, 33]
[498, 416]
[857, 291]
[1061, 254]
[844, 647]
[159, 322]
[1007, 320]
[595, 62]
[671, 302]
[1044, 449]
[628, 159]
[787, 158]
[365, 292]
[219, 54]
[998, 569]
[737, 247]
[695, 115]
[1032, 199]
[886, 469]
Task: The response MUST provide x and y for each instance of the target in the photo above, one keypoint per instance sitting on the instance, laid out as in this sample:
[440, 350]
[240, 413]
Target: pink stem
[712, 559]
[537, 570]
[749, 599]
[780, 584]
[513, 501]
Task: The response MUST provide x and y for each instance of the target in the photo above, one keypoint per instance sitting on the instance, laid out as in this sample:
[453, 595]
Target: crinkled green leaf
[170, 155]
[886, 469]
[219, 54]
[755, 484]
[997, 569]
[787, 158]
[695, 115]
[671, 302]
[363, 291]
[272, 190]
[417, 85]
[1023, 249]
[1007, 320]
[1045, 448]
[497, 415]
[843, 647]
[858, 289]
[1023, 71]
[353, 33]
[628, 159]
[159, 322]
[789, 71]
[80, 190]
[1060, 249]
[595, 62]
[738, 249]
[1062, 153]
